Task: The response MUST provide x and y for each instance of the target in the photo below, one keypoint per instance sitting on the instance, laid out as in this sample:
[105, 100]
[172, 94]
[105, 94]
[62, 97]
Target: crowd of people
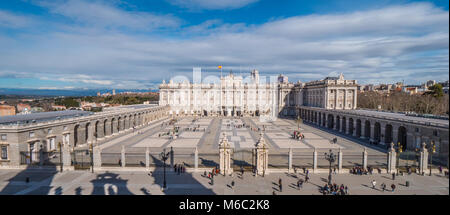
[334, 189]
[298, 136]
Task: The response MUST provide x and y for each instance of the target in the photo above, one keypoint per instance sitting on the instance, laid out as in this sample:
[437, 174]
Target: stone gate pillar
[364, 158]
[423, 162]
[67, 160]
[90, 137]
[196, 159]
[122, 153]
[225, 156]
[391, 161]
[97, 157]
[290, 160]
[314, 160]
[262, 156]
[147, 157]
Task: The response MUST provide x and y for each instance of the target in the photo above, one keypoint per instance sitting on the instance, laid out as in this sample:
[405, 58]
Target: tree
[436, 90]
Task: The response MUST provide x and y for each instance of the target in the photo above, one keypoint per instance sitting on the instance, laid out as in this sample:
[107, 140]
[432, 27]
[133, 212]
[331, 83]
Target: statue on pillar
[262, 155]
[225, 156]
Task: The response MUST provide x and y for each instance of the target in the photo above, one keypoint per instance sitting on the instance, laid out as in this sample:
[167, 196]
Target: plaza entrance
[243, 158]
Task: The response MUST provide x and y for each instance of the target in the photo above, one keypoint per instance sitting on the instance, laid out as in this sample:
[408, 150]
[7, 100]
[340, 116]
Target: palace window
[4, 155]
[3, 137]
[31, 134]
[51, 144]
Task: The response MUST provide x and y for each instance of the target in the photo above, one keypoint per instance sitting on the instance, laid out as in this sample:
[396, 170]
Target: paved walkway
[145, 183]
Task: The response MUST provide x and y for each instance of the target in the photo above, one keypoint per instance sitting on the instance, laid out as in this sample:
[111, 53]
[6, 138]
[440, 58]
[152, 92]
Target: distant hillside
[74, 92]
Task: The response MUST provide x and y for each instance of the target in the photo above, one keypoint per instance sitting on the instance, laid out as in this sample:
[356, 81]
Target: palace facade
[236, 96]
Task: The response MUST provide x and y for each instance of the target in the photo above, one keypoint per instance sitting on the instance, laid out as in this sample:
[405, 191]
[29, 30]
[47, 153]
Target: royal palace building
[236, 96]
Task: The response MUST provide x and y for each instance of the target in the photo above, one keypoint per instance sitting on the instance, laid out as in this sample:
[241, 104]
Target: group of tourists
[383, 186]
[334, 189]
[298, 136]
[179, 168]
[358, 170]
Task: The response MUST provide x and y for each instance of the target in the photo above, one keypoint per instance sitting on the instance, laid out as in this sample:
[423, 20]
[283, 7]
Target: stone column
[395, 134]
[290, 160]
[41, 156]
[314, 160]
[340, 160]
[354, 128]
[147, 157]
[196, 159]
[91, 137]
[97, 157]
[363, 130]
[123, 156]
[347, 124]
[383, 134]
[344, 106]
[67, 160]
[391, 160]
[364, 159]
[372, 132]
[423, 162]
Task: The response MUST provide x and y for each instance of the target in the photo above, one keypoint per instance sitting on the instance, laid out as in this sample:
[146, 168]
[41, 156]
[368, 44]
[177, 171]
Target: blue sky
[67, 44]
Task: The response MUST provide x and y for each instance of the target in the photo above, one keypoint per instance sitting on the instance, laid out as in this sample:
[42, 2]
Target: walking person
[279, 185]
[373, 184]
[383, 187]
[393, 187]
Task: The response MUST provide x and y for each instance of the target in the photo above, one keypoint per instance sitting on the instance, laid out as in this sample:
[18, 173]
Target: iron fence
[52, 158]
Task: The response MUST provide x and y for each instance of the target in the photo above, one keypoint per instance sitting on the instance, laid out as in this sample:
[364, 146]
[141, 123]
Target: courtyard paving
[12, 182]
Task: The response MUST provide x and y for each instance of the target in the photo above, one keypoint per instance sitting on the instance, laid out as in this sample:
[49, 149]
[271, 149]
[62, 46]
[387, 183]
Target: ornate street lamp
[164, 157]
[91, 152]
[60, 156]
[432, 150]
[330, 158]
[399, 150]
[299, 120]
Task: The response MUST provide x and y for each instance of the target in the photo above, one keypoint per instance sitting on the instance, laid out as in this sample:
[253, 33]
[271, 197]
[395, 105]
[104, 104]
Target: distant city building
[430, 83]
[98, 94]
[37, 109]
[58, 107]
[7, 110]
[23, 108]
[114, 92]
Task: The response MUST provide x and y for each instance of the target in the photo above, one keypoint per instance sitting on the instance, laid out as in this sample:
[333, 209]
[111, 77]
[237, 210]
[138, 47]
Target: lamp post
[299, 120]
[399, 150]
[91, 152]
[164, 157]
[60, 156]
[417, 158]
[432, 150]
[331, 158]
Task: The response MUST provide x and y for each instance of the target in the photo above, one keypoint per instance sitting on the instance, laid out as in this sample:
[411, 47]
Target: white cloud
[212, 4]
[11, 20]
[104, 14]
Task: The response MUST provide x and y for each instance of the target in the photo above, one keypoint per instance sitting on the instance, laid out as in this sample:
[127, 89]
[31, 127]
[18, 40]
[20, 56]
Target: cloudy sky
[134, 44]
